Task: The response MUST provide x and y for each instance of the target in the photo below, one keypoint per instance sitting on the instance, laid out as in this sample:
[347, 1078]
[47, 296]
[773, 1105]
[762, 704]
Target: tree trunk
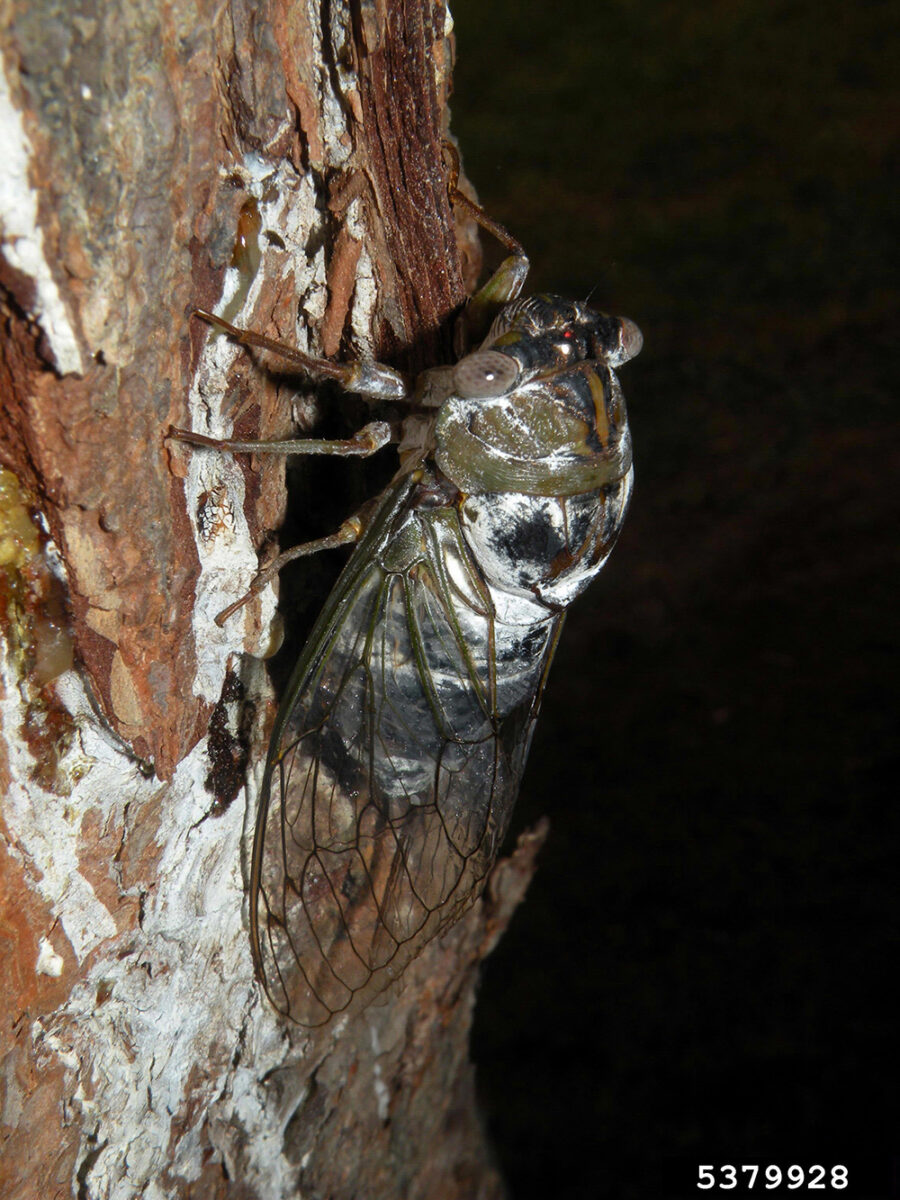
[284, 158]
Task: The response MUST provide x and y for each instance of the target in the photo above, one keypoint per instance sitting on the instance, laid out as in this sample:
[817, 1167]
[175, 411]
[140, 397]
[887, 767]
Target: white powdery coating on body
[23, 240]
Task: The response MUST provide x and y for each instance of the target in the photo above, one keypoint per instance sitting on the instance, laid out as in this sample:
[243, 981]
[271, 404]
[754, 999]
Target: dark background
[700, 967]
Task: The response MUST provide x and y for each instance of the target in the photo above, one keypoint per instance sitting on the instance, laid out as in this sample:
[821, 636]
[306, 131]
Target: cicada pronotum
[401, 739]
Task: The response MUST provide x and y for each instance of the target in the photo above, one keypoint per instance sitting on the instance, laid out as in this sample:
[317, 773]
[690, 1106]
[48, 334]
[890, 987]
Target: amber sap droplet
[245, 255]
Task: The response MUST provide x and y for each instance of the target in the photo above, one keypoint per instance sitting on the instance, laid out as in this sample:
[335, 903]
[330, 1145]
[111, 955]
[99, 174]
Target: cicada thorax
[542, 457]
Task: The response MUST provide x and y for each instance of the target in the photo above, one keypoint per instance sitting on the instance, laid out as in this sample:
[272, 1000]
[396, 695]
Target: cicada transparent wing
[394, 765]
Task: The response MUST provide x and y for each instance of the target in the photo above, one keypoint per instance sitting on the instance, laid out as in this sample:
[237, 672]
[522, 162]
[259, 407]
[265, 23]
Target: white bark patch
[333, 123]
[172, 1003]
[382, 1094]
[365, 292]
[48, 961]
[45, 830]
[149, 1033]
[214, 485]
[22, 238]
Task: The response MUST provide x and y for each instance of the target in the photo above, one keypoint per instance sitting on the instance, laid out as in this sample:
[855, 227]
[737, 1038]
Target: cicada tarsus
[400, 743]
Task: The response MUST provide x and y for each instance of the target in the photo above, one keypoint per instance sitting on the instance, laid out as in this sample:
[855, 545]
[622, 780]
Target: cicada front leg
[506, 282]
[372, 379]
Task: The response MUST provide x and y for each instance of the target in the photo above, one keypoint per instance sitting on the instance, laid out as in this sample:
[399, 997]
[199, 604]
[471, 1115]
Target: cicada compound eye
[484, 373]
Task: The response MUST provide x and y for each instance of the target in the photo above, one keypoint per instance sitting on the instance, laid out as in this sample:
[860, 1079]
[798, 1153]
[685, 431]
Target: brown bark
[285, 157]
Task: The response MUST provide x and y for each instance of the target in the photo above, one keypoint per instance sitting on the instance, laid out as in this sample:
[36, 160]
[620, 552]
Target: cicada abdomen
[390, 781]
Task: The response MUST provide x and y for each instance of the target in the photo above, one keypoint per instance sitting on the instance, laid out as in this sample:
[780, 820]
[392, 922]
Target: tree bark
[284, 158]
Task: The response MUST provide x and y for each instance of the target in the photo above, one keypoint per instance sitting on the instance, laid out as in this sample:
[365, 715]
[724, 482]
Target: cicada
[401, 740]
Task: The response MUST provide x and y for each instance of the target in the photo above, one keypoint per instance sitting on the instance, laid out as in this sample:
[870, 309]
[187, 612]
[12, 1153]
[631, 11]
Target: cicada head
[544, 333]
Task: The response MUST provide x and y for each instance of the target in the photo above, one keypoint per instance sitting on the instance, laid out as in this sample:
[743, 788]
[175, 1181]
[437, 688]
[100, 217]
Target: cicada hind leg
[506, 282]
[374, 380]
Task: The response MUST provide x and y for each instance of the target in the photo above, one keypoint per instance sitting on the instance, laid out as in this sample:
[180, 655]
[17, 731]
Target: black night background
[700, 969]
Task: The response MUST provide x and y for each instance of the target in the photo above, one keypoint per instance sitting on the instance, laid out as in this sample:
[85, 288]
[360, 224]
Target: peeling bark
[283, 160]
